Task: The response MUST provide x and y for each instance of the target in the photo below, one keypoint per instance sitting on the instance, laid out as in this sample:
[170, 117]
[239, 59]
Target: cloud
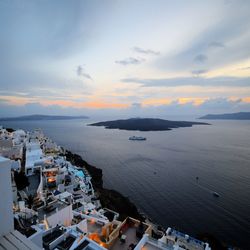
[245, 68]
[7, 110]
[201, 58]
[130, 60]
[191, 81]
[146, 51]
[3, 101]
[80, 72]
[212, 105]
[175, 108]
[199, 72]
[46, 63]
[224, 103]
[9, 93]
[136, 105]
[216, 45]
[224, 42]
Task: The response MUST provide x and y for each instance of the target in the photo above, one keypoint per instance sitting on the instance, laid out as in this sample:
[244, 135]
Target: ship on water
[137, 138]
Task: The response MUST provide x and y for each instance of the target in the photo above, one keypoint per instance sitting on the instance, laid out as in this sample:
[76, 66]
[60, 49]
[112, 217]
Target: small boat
[215, 194]
[137, 138]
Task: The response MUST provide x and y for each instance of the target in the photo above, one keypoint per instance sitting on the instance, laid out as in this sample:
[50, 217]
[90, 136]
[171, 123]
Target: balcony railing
[161, 245]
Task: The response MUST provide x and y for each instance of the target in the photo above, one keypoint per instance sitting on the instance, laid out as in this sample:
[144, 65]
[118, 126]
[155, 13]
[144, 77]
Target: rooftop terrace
[66, 243]
[51, 236]
[130, 233]
[34, 181]
[149, 243]
[51, 209]
[185, 241]
[15, 240]
[131, 238]
[94, 227]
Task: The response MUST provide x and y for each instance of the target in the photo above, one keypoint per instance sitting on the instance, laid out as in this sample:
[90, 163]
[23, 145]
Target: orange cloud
[16, 100]
[246, 99]
[92, 104]
[98, 103]
[161, 101]
[243, 99]
[194, 100]
[182, 100]
[105, 105]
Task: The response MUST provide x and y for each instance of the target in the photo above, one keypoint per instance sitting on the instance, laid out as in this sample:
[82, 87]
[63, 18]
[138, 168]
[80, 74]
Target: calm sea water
[159, 175]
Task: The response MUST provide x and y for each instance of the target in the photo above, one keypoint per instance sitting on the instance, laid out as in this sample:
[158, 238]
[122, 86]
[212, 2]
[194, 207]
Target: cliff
[109, 198]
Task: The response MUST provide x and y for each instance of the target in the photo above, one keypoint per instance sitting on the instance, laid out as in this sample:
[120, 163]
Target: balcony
[52, 235]
[129, 234]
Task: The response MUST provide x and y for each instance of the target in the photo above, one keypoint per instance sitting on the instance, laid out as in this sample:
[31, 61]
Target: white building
[19, 136]
[62, 216]
[171, 240]
[6, 204]
[34, 157]
[9, 238]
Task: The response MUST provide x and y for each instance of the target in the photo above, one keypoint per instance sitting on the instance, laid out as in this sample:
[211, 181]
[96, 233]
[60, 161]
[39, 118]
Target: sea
[160, 174]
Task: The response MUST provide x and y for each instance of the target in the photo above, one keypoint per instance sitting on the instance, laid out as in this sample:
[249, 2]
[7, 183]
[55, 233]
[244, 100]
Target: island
[41, 117]
[229, 116]
[146, 124]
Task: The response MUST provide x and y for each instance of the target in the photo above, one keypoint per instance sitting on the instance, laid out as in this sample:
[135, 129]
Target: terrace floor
[150, 247]
[34, 181]
[130, 238]
[51, 209]
[94, 227]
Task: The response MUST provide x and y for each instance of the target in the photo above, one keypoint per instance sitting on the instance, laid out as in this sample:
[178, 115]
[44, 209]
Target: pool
[80, 174]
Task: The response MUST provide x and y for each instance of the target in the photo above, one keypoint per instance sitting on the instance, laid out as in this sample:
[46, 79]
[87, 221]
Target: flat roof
[130, 238]
[51, 209]
[15, 240]
[33, 156]
[149, 246]
[2, 159]
[63, 195]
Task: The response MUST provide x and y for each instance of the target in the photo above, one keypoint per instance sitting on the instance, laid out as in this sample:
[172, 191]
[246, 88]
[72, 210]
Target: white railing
[146, 239]
[160, 244]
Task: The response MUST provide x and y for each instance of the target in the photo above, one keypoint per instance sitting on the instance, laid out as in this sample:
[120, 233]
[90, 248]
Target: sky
[119, 57]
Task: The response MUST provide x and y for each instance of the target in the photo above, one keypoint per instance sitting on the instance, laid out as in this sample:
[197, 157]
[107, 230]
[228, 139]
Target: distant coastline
[42, 118]
[228, 116]
[146, 124]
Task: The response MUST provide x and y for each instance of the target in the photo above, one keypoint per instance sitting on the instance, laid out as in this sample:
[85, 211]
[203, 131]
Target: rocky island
[146, 124]
[232, 116]
[42, 118]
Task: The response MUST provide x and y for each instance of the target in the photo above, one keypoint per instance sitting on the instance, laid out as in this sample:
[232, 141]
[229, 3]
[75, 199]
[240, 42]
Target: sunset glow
[78, 59]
